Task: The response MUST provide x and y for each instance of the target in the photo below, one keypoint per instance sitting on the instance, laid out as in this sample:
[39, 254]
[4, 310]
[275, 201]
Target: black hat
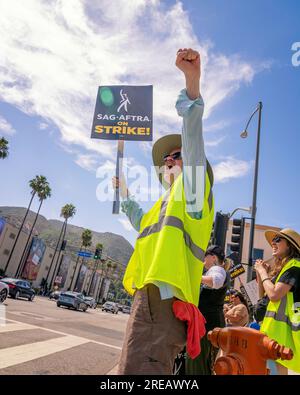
[216, 250]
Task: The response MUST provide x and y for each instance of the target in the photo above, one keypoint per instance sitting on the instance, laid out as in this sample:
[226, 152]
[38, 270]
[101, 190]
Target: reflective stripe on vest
[167, 220]
[282, 317]
[282, 323]
[171, 245]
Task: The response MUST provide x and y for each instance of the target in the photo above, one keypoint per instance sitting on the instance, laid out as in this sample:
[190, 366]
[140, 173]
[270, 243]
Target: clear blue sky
[48, 86]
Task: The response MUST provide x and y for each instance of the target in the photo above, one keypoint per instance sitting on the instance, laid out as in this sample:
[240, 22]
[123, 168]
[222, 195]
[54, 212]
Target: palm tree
[3, 148]
[43, 194]
[102, 267]
[112, 266]
[86, 241]
[67, 211]
[99, 246]
[106, 269]
[36, 185]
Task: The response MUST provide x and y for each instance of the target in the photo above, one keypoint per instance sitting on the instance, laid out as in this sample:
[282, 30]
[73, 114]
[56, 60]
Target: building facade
[261, 248]
[37, 261]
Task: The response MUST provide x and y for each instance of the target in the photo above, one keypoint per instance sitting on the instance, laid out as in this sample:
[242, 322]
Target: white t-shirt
[218, 275]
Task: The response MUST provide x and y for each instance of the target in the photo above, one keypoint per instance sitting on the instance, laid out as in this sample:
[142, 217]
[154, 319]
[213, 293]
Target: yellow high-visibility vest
[171, 245]
[282, 322]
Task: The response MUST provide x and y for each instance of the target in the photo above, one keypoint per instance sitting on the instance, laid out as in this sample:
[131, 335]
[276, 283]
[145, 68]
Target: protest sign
[123, 113]
[252, 291]
[236, 271]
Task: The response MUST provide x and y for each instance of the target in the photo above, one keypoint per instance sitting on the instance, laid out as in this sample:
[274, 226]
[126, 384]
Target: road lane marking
[16, 355]
[15, 327]
[67, 334]
[34, 316]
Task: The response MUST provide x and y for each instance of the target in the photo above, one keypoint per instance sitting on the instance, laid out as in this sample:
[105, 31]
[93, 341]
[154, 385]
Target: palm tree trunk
[99, 289]
[92, 279]
[59, 252]
[75, 269]
[63, 232]
[56, 248]
[102, 281]
[100, 284]
[82, 261]
[18, 234]
[20, 267]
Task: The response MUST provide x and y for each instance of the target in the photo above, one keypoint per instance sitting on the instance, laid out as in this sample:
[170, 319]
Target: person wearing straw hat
[167, 261]
[282, 286]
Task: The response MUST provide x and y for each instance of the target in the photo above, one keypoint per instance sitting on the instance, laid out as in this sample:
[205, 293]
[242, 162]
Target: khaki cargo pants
[154, 336]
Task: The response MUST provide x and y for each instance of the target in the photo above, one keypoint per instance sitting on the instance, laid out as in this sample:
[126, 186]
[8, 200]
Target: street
[40, 338]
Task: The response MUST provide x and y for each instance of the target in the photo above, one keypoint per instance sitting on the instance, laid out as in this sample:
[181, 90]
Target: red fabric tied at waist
[185, 311]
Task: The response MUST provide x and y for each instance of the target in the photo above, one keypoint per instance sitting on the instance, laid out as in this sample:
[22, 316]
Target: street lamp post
[244, 134]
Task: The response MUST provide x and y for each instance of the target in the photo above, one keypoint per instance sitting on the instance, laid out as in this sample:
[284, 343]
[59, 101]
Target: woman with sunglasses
[214, 285]
[282, 286]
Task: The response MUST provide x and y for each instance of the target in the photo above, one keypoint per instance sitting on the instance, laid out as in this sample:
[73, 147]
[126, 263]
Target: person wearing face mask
[214, 285]
[167, 263]
[281, 284]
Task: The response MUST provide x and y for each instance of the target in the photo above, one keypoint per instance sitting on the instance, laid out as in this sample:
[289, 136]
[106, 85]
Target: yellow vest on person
[171, 245]
[282, 322]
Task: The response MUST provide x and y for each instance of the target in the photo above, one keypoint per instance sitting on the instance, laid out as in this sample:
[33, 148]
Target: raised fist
[188, 61]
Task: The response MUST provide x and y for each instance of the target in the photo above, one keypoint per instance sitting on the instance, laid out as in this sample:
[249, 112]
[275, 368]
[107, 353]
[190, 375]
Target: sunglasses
[277, 239]
[176, 155]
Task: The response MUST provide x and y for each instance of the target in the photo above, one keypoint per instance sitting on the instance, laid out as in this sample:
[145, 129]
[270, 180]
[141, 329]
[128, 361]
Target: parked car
[110, 306]
[126, 309]
[19, 288]
[55, 295]
[4, 291]
[90, 301]
[73, 300]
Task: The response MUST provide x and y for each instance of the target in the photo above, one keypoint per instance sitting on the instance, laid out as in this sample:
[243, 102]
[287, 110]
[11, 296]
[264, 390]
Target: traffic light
[218, 235]
[237, 237]
[98, 253]
[63, 245]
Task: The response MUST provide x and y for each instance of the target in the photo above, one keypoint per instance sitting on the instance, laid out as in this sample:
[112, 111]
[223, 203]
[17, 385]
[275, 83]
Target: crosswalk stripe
[15, 327]
[25, 353]
[66, 334]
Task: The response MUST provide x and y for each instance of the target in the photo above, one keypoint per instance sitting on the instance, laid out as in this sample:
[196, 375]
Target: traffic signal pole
[97, 257]
[253, 207]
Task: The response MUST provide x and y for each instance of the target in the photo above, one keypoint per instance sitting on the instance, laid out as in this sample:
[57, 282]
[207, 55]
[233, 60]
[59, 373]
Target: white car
[126, 309]
[4, 290]
[90, 301]
[110, 306]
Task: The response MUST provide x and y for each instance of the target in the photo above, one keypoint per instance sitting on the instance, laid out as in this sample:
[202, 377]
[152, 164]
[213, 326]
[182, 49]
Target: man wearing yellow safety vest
[167, 261]
[281, 284]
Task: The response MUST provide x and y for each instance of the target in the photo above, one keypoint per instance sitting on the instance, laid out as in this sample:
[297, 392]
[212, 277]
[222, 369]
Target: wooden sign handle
[116, 204]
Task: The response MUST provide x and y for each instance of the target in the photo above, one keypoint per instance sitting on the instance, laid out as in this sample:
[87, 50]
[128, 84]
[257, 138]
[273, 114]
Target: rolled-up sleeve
[133, 211]
[193, 153]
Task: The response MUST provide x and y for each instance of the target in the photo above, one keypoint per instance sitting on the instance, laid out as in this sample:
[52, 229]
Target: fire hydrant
[246, 351]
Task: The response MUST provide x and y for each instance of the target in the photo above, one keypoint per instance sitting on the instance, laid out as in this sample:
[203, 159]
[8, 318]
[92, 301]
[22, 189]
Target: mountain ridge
[114, 245]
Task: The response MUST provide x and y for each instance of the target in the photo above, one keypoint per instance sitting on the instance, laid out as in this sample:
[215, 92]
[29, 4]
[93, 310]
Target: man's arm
[190, 106]
[188, 61]
[129, 206]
